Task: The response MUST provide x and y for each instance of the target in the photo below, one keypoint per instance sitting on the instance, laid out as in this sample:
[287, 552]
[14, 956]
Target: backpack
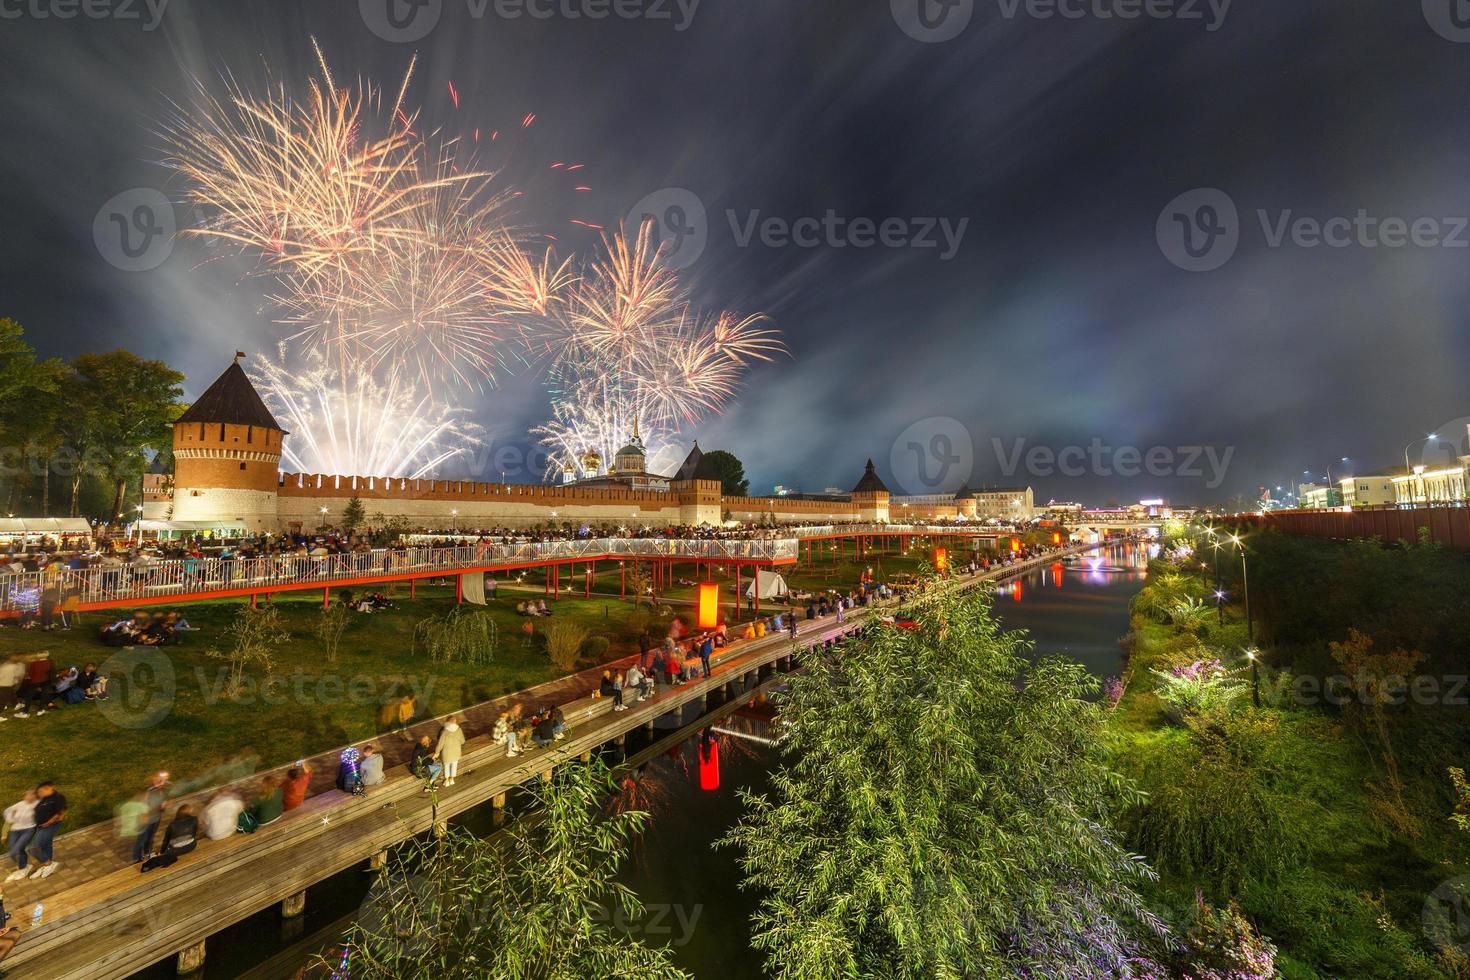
[247, 823]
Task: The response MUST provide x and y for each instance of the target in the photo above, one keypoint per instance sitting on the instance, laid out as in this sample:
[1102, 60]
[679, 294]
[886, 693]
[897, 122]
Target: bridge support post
[459, 590]
[293, 906]
[413, 588]
[648, 727]
[378, 861]
[191, 958]
[326, 597]
[586, 758]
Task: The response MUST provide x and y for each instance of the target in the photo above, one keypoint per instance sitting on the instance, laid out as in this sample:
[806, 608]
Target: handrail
[193, 577]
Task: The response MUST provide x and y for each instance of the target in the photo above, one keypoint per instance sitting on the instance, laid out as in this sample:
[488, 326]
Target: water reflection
[1079, 608]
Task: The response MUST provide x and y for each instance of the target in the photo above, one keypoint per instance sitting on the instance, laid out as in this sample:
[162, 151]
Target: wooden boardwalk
[120, 922]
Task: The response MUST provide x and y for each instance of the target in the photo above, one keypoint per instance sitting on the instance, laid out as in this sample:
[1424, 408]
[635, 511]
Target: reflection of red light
[1016, 591]
[709, 767]
[1056, 575]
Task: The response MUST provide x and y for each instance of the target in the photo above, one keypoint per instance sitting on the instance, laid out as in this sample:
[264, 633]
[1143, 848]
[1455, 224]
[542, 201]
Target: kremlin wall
[227, 454]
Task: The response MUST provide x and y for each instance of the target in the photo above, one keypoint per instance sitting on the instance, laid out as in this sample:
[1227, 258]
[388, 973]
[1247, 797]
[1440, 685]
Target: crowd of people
[30, 686]
[146, 629]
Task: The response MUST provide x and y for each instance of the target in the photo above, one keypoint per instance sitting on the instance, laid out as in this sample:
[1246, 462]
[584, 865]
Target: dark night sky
[1058, 322]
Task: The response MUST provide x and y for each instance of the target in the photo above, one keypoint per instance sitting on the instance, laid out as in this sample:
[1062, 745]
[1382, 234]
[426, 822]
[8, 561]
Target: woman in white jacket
[451, 743]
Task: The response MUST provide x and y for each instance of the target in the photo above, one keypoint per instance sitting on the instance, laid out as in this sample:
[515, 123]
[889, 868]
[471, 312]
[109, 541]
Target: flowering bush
[1224, 946]
[1199, 687]
[1113, 691]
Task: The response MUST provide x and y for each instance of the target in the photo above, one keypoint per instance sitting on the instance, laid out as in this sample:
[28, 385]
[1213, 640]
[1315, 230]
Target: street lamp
[454, 519]
[1409, 470]
[1253, 655]
[1245, 585]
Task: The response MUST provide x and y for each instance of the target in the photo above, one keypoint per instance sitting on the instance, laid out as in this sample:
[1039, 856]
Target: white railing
[201, 576]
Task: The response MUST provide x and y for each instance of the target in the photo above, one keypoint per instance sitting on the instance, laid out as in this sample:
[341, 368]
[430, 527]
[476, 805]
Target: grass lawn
[313, 705]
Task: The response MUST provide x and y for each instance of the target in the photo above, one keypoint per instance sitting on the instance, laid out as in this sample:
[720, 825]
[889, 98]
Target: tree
[732, 473]
[28, 405]
[943, 809]
[254, 635]
[537, 902]
[130, 405]
[353, 515]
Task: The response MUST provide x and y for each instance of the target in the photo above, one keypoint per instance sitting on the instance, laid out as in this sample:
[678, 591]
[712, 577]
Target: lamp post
[1245, 585]
[1409, 470]
[454, 519]
[1253, 655]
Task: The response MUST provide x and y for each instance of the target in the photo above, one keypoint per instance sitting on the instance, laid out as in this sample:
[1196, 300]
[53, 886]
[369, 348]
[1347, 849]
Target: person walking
[154, 796]
[645, 651]
[451, 744]
[791, 624]
[20, 817]
[706, 650]
[50, 812]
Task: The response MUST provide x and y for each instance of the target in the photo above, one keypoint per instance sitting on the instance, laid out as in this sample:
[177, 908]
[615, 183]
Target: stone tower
[227, 455]
[870, 497]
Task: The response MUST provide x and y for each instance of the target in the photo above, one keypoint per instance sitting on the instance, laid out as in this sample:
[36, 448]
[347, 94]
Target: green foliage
[127, 405]
[1203, 687]
[595, 648]
[534, 903]
[564, 640]
[731, 471]
[331, 624]
[254, 635]
[459, 636]
[1213, 815]
[353, 515]
[942, 809]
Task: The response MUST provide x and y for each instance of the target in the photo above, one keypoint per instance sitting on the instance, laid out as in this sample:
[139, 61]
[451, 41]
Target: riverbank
[1288, 809]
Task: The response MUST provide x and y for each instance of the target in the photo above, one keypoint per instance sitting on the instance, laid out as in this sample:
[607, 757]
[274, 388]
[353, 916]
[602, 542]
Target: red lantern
[709, 605]
[1015, 545]
[941, 560]
[1056, 537]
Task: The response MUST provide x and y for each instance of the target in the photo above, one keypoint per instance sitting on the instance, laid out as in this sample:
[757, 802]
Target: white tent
[772, 585]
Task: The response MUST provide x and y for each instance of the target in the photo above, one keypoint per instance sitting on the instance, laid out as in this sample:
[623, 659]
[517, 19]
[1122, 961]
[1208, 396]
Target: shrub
[564, 641]
[458, 637]
[1200, 687]
[595, 648]
[329, 629]
[1222, 945]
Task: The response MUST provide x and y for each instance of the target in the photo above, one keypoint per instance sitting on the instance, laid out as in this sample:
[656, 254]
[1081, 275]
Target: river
[1078, 610]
